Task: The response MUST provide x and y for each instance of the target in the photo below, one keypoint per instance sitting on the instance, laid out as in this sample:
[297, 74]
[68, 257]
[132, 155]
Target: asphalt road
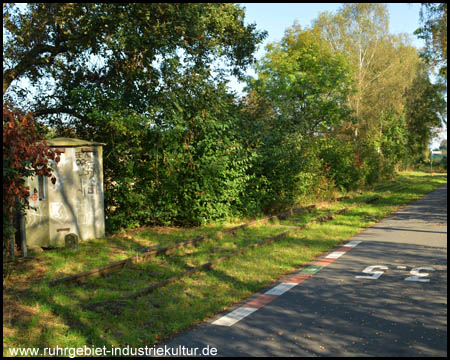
[401, 311]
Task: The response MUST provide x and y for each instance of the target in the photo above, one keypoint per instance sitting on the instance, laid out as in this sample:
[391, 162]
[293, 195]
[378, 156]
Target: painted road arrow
[384, 293]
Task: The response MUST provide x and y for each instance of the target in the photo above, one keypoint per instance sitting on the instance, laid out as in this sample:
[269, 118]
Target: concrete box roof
[71, 142]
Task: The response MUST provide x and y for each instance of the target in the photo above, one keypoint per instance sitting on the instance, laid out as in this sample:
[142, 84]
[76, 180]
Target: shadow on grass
[69, 304]
[51, 327]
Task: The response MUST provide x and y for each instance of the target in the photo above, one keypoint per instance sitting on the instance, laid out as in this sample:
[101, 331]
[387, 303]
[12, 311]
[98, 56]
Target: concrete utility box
[75, 203]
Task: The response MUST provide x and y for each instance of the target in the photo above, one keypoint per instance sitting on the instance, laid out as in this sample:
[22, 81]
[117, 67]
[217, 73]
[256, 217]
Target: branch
[30, 60]
[58, 110]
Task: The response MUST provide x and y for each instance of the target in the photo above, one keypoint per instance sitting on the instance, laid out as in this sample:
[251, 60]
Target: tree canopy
[53, 39]
[340, 104]
[434, 32]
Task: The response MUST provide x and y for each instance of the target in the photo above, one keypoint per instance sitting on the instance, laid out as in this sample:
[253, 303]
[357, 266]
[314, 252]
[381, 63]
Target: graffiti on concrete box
[58, 212]
[34, 216]
[84, 161]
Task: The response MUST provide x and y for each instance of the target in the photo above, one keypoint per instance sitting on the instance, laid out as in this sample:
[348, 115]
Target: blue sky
[275, 18]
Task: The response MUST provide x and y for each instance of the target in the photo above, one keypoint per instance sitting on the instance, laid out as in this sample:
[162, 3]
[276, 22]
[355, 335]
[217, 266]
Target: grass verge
[43, 316]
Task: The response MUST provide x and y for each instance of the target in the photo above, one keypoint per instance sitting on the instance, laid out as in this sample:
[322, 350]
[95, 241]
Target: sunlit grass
[48, 316]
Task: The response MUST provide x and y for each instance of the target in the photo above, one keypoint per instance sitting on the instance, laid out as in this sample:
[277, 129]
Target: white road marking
[281, 288]
[234, 316]
[335, 255]
[352, 243]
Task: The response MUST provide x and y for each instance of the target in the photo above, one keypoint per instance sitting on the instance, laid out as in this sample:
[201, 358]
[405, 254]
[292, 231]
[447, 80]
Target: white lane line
[234, 316]
[335, 254]
[352, 243]
[280, 289]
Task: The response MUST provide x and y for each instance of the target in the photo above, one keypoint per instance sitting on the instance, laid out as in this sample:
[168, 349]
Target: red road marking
[297, 278]
[260, 301]
[345, 248]
[324, 262]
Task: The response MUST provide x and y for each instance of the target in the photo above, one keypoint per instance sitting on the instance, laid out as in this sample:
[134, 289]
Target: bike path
[399, 309]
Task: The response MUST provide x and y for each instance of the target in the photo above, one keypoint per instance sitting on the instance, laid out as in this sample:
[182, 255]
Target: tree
[306, 82]
[357, 30]
[383, 67]
[24, 154]
[443, 148]
[129, 38]
[305, 85]
[136, 76]
[434, 32]
[424, 110]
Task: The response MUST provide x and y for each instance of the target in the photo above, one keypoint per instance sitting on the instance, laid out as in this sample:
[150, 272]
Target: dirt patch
[24, 272]
[20, 276]
[14, 313]
[108, 307]
[164, 230]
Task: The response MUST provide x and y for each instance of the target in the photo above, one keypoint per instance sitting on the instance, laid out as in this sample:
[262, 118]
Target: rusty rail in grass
[117, 265]
[209, 265]
[103, 270]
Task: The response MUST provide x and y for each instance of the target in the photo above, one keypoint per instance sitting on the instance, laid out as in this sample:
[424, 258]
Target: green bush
[341, 166]
[189, 170]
